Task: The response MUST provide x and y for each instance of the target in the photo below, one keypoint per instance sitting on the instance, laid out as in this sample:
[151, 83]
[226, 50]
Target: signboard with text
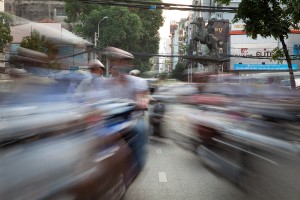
[241, 27]
[265, 67]
[237, 27]
[252, 51]
[221, 32]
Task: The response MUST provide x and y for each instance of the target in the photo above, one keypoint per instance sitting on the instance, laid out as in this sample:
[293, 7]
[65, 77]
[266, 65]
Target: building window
[219, 15]
[60, 12]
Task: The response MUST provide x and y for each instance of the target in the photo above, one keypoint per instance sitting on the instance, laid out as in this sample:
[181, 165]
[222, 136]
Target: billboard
[244, 49]
[264, 67]
[251, 51]
[221, 32]
[254, 50]
[244, 46]
[241, 26]
[237, 27]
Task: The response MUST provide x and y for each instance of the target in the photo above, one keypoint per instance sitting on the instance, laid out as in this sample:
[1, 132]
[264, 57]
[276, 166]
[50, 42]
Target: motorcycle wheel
[156, 130]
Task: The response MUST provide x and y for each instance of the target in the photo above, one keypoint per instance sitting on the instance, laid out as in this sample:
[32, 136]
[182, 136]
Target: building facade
[36, 10]
[174, 34]
[1, 6]
[47, 17]
[73, 50]
[241, 49]
[245, 50]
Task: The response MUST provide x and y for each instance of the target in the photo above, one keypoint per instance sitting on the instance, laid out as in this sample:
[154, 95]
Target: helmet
[134, 72]
[96, 64]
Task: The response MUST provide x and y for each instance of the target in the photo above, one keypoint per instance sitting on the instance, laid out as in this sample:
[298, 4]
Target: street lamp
[97, 33]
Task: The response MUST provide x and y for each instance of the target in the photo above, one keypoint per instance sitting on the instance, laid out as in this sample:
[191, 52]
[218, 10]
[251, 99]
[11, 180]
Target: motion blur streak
[246, 130]
[54, 145]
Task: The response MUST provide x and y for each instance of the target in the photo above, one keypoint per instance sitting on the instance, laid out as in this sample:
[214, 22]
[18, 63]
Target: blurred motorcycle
[241, 146]
[156, 117]
[65, 150]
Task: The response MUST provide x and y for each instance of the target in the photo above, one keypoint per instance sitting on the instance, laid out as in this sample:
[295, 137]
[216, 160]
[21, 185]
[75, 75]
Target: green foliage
[142, 64]
[149, 41]
[278, 54]
[267, 17]
[183, 49]
[163, 76]
[5, 36]
[151, 22]
[34, 42]
[38, 43]
[130, 29]
[122, 29]
[51, 49]
[177, 73]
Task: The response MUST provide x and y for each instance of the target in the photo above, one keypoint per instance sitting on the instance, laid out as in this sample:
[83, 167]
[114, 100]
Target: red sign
[244, 50]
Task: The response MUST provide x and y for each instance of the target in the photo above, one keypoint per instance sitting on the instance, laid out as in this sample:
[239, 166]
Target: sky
[172, 15]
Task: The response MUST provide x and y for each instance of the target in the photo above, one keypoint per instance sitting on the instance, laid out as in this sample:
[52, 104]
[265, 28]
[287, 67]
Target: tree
[5, 36]
[130, 29]
[34, 42]
[149, 42]
[39, 43]
[122, 29]
[270, 18]
[151, 22]
[177, 73]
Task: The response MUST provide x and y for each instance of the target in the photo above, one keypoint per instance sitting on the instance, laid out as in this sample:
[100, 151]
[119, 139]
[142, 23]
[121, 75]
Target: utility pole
[96, 38]
[97, 33]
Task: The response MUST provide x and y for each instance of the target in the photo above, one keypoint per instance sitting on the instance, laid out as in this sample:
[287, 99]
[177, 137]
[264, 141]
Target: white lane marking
[162, 177]
[158, 151]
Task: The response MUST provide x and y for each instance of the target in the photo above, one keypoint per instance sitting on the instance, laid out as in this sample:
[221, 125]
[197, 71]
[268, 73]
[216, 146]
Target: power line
[223, 56]
[165, 6]
[161, 3]
[187, 57]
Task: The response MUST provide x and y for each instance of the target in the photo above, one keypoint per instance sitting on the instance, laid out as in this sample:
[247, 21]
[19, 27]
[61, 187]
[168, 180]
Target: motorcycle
[65, 150]
[156, 117]
[239, 147]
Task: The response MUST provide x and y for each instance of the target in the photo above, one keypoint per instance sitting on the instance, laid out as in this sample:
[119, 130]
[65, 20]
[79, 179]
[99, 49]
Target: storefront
[252, 56]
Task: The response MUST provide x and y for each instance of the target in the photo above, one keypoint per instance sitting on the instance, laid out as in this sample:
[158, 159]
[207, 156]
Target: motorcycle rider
[124, 86]
[92, 87]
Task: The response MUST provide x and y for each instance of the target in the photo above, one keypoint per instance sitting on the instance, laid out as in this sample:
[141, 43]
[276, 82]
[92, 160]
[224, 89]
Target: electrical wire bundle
[159, 5]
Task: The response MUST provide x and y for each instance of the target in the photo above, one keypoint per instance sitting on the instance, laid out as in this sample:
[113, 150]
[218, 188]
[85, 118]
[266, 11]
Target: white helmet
[135, 72]
[96, 64]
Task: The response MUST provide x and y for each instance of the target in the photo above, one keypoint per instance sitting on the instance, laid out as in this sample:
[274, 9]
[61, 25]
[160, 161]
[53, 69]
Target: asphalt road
[172, 172]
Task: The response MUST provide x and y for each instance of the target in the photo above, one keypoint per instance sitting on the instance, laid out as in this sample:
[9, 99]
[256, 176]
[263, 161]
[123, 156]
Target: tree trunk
[2, 58]
[289, 62]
